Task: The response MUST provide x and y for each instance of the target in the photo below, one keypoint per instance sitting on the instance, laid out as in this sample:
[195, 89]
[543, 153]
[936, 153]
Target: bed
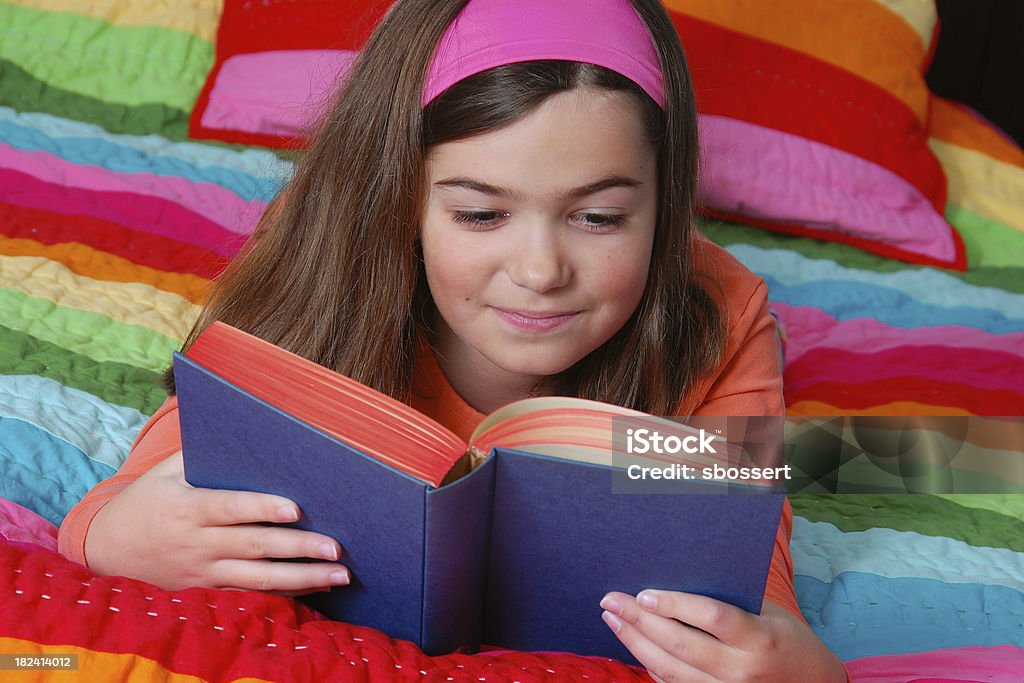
[122, 194]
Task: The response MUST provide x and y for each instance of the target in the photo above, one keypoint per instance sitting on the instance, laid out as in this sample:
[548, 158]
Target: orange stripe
[951, 123]
[92, 665]
[862, 37]
[101, 265]
[811, 408]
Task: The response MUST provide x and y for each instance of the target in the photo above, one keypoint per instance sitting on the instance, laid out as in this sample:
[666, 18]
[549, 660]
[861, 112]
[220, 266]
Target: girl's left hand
[687, 637]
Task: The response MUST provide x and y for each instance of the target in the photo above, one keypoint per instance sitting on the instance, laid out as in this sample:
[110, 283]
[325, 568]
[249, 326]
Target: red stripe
[957, 262]
[862, 395]
[142, 213]
[160, 253]
[742, 77]
[980, 370]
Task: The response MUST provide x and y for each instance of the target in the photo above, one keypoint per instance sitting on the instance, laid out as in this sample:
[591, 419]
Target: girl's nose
[539, 261]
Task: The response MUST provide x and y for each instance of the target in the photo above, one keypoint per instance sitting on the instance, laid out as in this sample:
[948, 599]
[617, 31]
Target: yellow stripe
[92, 665]
[955, 125]
[811, 408]
[131, 303]
[101, 265]
[198, 17]
[860, 36]
[981, 184]
[920, 15]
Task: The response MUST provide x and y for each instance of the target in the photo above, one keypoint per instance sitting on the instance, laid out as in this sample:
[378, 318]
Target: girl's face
[537, 238]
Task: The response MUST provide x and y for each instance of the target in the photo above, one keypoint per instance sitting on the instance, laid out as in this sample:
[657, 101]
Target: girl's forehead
[585, 124]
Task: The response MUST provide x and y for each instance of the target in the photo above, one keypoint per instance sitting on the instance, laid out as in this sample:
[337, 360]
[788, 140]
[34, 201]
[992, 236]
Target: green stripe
[116, 383]
[1011, 505]
[126, 64]
[988, 242]
[93, 335]
[862, 475]
[918, 512]
[725, 234]
[23, 92]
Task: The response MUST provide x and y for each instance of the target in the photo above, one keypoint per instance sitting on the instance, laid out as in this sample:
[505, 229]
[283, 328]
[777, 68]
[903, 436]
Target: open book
[510, 540]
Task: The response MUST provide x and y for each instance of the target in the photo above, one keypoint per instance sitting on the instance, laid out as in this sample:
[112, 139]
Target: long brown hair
[334, 270]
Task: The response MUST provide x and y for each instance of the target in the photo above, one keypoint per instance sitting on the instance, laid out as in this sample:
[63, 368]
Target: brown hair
[334, 270]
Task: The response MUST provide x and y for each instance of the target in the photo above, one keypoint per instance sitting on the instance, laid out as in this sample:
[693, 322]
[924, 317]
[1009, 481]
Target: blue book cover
[516, 554]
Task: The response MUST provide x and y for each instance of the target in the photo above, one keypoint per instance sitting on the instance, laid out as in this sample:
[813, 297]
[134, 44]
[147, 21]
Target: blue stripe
[124, 159]
[865, 615]
[44, 473]
[846, 300]
[102, 431]
[925, 285]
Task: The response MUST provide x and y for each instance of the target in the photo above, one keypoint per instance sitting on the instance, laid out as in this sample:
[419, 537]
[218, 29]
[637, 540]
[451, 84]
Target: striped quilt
[112, 224]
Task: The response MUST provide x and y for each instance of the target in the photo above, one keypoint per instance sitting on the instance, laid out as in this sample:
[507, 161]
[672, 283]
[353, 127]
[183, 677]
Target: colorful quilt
[113, 222]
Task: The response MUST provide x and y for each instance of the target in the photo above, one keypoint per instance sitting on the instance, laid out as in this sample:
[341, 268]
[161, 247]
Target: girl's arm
[685, 637]
[146, 522]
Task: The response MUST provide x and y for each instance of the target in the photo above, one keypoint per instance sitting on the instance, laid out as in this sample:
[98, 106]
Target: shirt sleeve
[748, 382]
[159, 439]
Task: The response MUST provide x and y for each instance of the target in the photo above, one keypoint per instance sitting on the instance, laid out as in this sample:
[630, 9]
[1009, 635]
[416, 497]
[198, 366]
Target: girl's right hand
[164, 531]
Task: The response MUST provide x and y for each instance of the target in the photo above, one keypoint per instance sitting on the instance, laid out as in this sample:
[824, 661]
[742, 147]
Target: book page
[578, 429]
[369, 421]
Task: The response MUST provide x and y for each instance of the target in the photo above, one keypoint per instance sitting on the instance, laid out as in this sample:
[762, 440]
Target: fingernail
[648, 599]
[328, 552]
[287, 513]
[339, 578]
[611, 604]
[614, 623]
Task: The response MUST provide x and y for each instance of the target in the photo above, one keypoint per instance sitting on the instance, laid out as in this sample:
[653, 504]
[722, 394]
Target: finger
[265, 575]
[679, 641]
[255, 542]
[659, 664]
[726, 622]
[224, 508]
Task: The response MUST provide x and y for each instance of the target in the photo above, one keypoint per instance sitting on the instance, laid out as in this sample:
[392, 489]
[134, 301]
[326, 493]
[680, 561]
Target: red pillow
[813, 115]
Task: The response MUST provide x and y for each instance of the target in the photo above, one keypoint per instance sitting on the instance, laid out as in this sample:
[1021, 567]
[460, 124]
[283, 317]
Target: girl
[499, 204]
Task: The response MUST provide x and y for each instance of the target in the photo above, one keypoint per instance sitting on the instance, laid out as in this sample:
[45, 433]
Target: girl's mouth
[536, 321]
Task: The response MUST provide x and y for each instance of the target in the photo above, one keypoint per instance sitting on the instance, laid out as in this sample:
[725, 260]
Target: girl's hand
[163, 531]
[687, 637]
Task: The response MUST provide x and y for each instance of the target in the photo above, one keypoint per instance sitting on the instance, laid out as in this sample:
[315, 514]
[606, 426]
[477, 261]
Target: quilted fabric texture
[113, 223]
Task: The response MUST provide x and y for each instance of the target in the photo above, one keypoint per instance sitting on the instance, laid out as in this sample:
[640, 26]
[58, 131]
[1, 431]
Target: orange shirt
[747, 382]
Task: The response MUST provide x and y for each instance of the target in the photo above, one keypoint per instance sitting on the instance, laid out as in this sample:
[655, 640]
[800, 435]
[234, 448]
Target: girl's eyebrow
[604, 183]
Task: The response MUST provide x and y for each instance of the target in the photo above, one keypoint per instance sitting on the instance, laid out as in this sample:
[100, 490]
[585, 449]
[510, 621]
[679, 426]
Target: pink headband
[490, 33]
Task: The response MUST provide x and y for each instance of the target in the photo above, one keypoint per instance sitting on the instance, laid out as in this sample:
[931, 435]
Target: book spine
[457, 520]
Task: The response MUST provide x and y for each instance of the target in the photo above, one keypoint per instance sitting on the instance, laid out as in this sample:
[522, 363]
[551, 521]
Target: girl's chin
[534, 364]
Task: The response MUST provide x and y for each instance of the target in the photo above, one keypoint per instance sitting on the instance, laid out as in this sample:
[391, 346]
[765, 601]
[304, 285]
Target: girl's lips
[535, 322]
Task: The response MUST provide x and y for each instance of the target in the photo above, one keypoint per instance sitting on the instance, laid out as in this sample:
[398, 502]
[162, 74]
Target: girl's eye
[600, 222]
[595, 222]
[481, 219]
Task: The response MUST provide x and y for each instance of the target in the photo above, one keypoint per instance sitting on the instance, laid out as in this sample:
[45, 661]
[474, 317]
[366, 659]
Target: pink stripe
[216, 203]
[21, 525]
[809, 328]
[137, 212]
[994, 664]
[276, 92]
[765, 173]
